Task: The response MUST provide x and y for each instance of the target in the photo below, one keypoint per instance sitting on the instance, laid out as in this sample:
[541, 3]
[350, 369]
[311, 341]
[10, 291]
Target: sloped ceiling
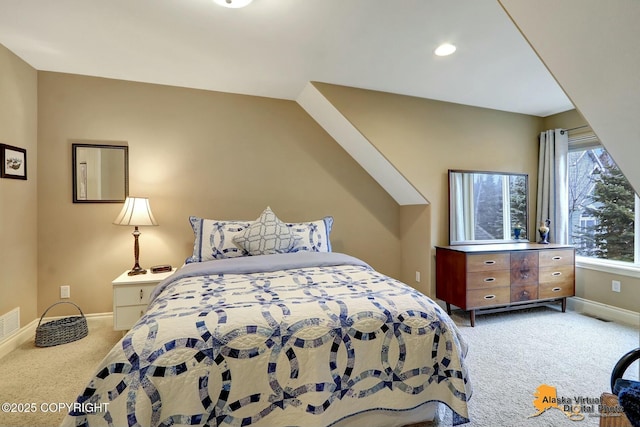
[273, 48]
[592, 48]
[359, 147]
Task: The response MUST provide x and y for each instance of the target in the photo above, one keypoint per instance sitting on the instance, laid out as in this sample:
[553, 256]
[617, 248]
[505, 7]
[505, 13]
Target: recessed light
[234, 4]
[445, 49]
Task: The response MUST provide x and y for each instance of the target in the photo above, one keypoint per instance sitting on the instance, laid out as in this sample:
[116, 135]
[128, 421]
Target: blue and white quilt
[301, 339]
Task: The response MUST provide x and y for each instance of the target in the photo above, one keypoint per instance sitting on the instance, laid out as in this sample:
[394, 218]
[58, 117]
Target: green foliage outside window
[613, 201]
[601, 207]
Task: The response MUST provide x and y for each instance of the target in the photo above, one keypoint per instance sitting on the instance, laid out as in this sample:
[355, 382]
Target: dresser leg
[564, 305]
[449, 309]
[472, 318]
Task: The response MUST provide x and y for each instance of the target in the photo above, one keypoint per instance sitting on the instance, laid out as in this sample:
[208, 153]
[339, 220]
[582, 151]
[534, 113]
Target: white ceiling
[273, 48]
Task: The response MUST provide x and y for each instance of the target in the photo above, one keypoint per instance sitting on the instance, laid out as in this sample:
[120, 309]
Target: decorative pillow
[267, 235]
[312, 236]
[214, 239]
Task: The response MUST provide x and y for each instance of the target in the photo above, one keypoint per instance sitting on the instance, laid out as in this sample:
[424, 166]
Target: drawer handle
[556, 289]
[489, 297]
[556, 273]
[489, 262]
[141, 294]
[490, 279]
[556, 258]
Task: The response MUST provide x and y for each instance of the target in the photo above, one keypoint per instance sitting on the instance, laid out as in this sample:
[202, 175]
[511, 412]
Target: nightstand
[131, 296]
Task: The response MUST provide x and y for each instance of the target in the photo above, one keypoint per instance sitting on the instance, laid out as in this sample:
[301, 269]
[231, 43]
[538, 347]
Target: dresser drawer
[487, 297]
[550, 258]
[557, 275]
[556, 290]
[524, 293]
[126, 317]
[488, 279]
[132, 295]
[524, 268]
[488, 262]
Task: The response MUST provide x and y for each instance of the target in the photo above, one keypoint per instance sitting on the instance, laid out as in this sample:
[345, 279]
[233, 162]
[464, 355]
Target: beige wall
[191, 152]
[591, 284]
[415, 232]
[18, 198]
[594, 285]
[424, 139]
[567, 120]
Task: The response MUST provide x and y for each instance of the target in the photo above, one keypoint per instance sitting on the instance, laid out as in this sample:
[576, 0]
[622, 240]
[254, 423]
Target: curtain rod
[575, 128]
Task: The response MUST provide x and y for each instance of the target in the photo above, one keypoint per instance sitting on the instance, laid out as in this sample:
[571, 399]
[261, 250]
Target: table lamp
[137, 212]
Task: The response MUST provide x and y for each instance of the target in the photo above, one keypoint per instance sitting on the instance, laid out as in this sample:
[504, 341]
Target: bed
[292, 338]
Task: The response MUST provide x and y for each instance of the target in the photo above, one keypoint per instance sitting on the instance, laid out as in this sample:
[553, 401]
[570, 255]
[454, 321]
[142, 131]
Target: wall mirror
[100, 173]
[488, 207]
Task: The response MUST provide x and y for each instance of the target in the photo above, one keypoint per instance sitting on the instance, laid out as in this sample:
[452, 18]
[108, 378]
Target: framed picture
[14, 162]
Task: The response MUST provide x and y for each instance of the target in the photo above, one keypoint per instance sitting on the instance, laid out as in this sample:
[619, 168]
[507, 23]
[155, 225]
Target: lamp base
[137, 270]
[136, 251]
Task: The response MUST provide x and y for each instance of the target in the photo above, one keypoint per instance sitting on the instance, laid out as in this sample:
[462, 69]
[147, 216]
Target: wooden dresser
[497, 277]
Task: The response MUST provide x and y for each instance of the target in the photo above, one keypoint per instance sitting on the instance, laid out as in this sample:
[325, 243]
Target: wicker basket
[61, 331]
[615, 419]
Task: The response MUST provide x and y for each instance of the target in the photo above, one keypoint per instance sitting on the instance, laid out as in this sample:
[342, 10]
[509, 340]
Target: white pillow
[312, 236]
[214, 239]
[267, 235]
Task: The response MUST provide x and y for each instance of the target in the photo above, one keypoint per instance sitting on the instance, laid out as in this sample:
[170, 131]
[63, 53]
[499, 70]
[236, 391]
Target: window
[603, 208]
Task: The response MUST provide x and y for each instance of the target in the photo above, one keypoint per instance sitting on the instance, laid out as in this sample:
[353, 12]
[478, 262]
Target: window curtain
[506, 211]
[553, 185]
[462, 208]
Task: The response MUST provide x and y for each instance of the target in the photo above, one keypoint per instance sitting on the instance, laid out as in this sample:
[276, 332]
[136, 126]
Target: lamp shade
[136, 211]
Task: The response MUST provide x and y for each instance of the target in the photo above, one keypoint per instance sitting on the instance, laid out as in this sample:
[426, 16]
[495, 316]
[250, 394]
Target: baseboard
[604, 311]
[28, 332]
[14, 341]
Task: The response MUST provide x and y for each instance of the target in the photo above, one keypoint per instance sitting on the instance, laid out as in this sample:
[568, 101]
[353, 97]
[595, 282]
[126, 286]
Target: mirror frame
[74, 174]
[525, 225]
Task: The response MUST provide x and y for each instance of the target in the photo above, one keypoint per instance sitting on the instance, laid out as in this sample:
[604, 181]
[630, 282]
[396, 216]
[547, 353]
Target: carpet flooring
[510, 356]
[33, 375]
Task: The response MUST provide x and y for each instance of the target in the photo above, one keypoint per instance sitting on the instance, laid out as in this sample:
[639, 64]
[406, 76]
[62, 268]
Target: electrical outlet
[615, 286]
[418, 276]
[65, 291]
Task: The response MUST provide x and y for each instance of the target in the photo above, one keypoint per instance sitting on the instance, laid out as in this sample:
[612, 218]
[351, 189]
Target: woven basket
[614, 419]
[61, 331]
